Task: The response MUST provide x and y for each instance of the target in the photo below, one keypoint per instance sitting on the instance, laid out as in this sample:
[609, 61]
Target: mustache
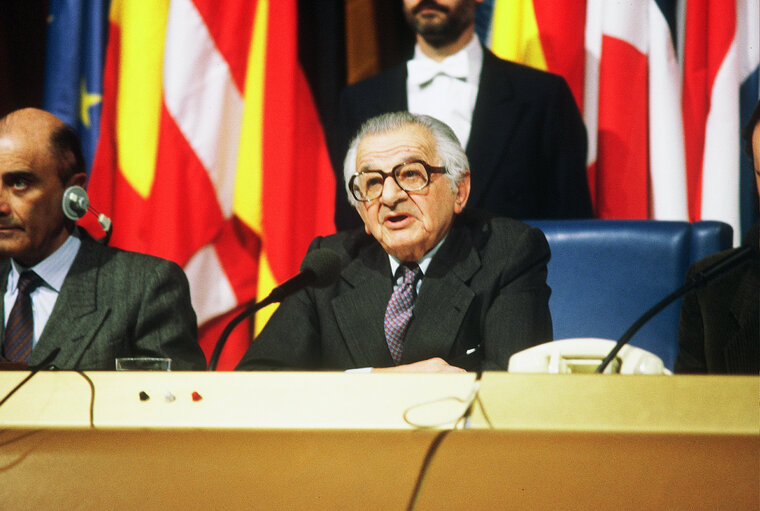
[429, 4]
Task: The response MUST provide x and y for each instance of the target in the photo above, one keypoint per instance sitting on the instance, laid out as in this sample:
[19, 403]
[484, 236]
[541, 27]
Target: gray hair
[449, 149]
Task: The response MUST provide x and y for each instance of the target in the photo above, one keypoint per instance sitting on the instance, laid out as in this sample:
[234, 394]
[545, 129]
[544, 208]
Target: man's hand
[431, 365]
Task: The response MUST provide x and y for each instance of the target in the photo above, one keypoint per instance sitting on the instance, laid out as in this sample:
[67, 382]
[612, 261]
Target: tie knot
[411, 272]
[28, 281]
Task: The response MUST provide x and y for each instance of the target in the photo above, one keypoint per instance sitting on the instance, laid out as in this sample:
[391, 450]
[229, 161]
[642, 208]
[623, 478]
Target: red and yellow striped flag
[541, 35]
[211, 152]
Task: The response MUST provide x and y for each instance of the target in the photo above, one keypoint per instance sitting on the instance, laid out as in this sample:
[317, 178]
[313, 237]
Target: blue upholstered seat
[604, 274]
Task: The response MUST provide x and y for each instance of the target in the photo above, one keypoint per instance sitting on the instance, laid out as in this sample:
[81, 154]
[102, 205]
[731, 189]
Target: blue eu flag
[77, 33]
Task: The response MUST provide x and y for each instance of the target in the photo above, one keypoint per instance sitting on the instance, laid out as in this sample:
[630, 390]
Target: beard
[444, 28]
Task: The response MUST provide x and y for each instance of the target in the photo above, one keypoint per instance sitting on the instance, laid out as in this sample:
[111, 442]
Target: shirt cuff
[359, 370]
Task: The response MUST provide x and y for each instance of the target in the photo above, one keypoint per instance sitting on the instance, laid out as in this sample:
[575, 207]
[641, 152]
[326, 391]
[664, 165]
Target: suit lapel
[75, 318]
[494, 119]
[5, 268]
[360, 311]
[444, 298]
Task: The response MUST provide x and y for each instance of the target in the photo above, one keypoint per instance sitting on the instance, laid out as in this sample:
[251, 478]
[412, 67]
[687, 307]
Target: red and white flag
[211, 153]
[721, 55]
[632, 112]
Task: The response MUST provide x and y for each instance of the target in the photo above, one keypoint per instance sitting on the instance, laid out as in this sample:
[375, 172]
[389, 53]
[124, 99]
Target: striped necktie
[19, 331]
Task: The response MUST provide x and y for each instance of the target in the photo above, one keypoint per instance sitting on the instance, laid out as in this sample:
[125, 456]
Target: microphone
[319, 268]
[75, 205]
[697, 281]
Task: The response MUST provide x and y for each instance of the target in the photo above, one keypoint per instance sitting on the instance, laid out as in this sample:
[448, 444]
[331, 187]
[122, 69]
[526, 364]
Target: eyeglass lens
[410, 177]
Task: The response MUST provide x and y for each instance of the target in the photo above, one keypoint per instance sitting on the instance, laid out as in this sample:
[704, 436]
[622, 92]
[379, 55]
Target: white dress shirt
[446, 90]
[52, 270]
[422, 263]
[395, 263]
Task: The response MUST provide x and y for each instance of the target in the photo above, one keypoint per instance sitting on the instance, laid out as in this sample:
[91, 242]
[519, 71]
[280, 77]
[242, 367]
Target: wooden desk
[339, 441]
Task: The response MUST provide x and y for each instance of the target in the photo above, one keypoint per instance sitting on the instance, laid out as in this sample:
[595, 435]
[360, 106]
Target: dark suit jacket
[719, 330]
[486, 285]
[115, 303]
[527, 147]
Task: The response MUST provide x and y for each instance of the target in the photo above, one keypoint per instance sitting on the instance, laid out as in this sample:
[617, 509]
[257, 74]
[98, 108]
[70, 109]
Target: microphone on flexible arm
[319, 268]
[76, 204]
[699, 280]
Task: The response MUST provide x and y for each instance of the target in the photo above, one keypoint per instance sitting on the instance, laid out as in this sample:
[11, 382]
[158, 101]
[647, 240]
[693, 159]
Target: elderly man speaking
[425, 286]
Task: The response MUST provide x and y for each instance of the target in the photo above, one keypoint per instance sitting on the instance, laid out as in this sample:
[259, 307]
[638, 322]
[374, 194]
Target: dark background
[22, 53]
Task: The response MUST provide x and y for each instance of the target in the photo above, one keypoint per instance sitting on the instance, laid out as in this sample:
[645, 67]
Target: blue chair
[708, 237]
[605, 274]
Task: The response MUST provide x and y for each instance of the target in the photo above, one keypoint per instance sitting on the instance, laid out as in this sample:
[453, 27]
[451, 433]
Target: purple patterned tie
[399, 311]
[19, 331]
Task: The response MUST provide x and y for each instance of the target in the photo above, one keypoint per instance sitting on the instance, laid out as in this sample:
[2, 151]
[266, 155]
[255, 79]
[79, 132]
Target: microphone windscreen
[324, 263]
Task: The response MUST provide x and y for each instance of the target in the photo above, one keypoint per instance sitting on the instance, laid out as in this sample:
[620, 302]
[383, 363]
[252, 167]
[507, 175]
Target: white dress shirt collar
[53, 268]
[466, 63]
[423, 263]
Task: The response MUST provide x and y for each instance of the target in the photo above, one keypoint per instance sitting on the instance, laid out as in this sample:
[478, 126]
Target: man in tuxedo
[68, 300]
[424, 286]
[719, 329]
[521, 128]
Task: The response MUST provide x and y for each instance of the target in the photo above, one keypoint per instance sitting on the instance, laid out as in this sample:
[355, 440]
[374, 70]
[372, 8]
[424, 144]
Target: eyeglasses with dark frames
[410, 176]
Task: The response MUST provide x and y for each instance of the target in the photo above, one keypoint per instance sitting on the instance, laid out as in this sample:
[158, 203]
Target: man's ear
[78, 179]
[463, 193]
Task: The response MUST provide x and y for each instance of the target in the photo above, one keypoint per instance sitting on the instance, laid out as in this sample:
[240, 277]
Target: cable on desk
[425, 464]
[80, 373]
[483, 411]
[467, 402]
[436, 443]
[92, 397]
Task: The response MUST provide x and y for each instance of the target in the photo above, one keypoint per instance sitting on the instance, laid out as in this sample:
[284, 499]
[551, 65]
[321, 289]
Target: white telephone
[583, 355]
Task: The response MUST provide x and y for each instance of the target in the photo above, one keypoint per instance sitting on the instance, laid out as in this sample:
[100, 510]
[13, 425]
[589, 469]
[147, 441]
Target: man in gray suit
[68, 300]
[425, 286]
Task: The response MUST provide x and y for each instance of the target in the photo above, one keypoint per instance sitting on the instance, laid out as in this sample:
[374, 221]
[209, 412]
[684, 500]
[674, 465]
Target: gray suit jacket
[115, 303]
[485, 286]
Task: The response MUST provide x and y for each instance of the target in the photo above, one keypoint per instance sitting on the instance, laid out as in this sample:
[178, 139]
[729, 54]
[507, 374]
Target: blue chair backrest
[708, 237]
[605, 274]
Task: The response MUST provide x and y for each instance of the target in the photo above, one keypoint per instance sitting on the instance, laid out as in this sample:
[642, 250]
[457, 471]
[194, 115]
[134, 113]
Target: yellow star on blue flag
[77, 33]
